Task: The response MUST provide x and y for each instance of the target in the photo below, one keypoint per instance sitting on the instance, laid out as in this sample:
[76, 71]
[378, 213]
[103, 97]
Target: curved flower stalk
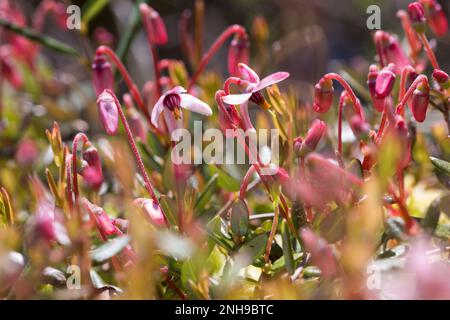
[232, 30]
[419, 90]
[390, 51]
[413, 41]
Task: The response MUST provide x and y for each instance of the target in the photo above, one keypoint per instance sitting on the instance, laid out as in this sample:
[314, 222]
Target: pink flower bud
[391, 50]
[402, 133]
[323, 95]
[103, 222]
[298, 143]
[385, 81]
[441, 78]
[359, 127]
[134, 120]
[92, 174]
[102, 76]
[372, 76]
[437, 21]
[154, 25]
[27, 152]
[420, 100]
[152, 211]
[315, 133]
[238, 52]
[103, 37]
[417, 16]
[107, 111]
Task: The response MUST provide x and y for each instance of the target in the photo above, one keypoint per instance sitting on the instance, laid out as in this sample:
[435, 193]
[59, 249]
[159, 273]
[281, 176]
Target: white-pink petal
[156, 111]
[247, 73]
[235, 99]
[177, 90]
[271, 79]
[195, 105]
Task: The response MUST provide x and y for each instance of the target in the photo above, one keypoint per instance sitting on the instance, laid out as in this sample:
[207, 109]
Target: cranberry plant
[101, 207]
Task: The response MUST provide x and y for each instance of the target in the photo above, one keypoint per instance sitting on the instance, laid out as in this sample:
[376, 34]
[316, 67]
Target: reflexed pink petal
[156, 111]
[108, 113]
[235, 99]
[271, 79]
[194, 104]
[247, 73]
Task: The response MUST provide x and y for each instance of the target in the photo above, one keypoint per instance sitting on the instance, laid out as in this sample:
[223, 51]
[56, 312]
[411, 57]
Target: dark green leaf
[430, 222]
[226, 181]
[239, 219]
[287, 247]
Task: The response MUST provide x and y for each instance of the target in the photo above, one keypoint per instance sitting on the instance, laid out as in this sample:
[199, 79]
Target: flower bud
[441, 78]
[152, 211]
[102, 76]
[103, 37]
[323, 95]
[103, 222]
[359, 127]
[238, 52]
[402, 133]
[391, 50]
[298, 143]
[154, 25]
[134, 120]
[92, 174]
[420, 100]
[372, 76]
[417, 16]
[385, 82]
[108, 112]
[315, 133]
[436, 19]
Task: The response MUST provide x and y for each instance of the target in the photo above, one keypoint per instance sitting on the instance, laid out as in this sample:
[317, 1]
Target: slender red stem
[340, 107]
[140, 163]
[411, 36]
[231, 30]
[246, 181]
[78, 137]
[351, 93]
[383, 122]
[409, 92]
[429, 51]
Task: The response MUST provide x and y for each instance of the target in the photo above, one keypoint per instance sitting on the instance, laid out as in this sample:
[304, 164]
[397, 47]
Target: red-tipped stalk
[232, 30]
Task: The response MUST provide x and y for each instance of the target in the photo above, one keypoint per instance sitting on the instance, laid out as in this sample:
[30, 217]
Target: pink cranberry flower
[154, 25]
[254, 86]
[177, 98]
[436, 19]
[390, 51]
[108, 111]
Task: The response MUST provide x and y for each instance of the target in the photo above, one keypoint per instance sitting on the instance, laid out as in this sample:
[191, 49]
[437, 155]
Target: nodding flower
[390, 51]
[315, 133]
[420, 100]
[372, 77]
[154, 25]
[385, 81]
[436, 18]
[442, 78]
[108, 111]
[177, 98]
[417, 16]
[152, 211]
[103, 222]
[92, 173]
[323, 95]
[254, 86]
[238, 52]
[102, 76]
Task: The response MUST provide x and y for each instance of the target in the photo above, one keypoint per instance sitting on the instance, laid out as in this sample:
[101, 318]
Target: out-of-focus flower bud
[359, 127]
[385, 81]
[391, 50]
[436, 19]
[323, 95]
[417, 16]
[152, 211]
[154, 25]
[8, 68]
[372, 76]
[134, 120]
[238, 52]
[92, 174]
[321, 253]
[420, 100]
[102, 76]
[108, 112]
[315, 133]
[441, 78]
[402, 133]
[298, 143]
[27, 152]
[11, 266]
[103, 222]
[103, 37]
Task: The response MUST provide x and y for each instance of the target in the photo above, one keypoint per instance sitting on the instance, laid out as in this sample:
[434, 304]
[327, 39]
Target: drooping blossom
[372, 77]
[92, 173]
[420, 101]
[173, 100]
[323, 95]
[154, 25]
[102, 76]
[442, 78]
[385, 81]
[312, 139]
[238, 52]
[436, 18]
[108, 112]
[417, 16]
[152, 211]
[390, 50]
[102, 221]
[253, 86]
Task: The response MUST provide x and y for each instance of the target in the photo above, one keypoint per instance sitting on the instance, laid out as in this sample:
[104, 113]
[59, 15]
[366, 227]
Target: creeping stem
[231, 30]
